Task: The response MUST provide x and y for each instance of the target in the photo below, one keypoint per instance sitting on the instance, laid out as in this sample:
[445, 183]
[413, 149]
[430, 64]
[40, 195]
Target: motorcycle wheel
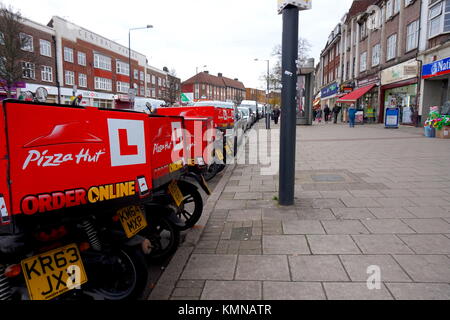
[164, 237]
[127, 277]
[191, 209]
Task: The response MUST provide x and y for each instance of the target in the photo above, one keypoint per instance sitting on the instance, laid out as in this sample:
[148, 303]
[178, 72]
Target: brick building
[207, 86]
[76, 60]
[256, 95]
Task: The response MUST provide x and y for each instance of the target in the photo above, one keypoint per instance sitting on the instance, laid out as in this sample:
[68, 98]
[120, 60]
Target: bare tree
[275, 75]
[174, 89]
[16, 50]
[238, 98]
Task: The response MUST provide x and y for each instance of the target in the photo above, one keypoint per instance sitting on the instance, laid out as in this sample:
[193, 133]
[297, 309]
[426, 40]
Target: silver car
[246, 116]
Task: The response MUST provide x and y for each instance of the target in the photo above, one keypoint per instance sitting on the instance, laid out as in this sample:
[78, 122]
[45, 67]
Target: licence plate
[132, 219]
[219, 154]
[53, 273]
[176, 194]
[174, 167]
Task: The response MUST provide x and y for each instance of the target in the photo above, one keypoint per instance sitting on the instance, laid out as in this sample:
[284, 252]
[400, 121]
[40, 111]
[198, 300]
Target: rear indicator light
[13, 271]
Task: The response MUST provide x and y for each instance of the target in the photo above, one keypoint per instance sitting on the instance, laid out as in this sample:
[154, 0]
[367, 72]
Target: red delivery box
[200, 137]
[61, 157]
[219, 115]
[168, 148]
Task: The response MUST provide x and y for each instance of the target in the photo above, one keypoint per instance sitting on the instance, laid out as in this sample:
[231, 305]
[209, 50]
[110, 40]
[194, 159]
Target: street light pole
[129, 50]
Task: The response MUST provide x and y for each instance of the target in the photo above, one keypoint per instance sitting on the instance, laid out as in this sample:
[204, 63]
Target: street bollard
[267, 121]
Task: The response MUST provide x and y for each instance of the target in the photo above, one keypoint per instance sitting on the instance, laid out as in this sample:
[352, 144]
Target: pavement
[370, 204]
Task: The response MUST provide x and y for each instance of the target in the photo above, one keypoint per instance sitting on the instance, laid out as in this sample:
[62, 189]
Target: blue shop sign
[436, 68]
[330, 90]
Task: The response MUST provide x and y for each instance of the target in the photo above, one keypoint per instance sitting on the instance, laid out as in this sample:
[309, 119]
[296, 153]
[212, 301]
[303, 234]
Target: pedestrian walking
[319, 115]
[276, 115]
[327, 112]
[352, 115]
[336, 111]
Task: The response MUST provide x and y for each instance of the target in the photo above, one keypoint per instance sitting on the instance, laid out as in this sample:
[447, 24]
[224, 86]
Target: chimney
[220, 75]
[236, 79]
[207, 72]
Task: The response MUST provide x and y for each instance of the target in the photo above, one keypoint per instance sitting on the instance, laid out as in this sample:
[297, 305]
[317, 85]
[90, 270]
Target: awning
[352, 97]
[316, 102]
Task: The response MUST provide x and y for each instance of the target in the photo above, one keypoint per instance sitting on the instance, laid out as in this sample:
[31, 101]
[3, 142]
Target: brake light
[116, 218]
[13, 271]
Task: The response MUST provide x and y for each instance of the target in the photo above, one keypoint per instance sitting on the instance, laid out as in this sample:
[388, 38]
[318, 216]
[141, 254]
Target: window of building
[408, 2]
[102, 62]
[396, 6]
[122, 87]
[136, 74]
[69, 78]
[389, 9]
[2, 39]
[103, 84]
[434, 20]
[147, 92]
[412, 35]
[159, 81]
[82, 58]
[82, 80]
[376, 53]
[142, 91]
[26, 42]
[47, 74]
[363, 30]
[68, 55]
[363, 62]
[45, 48]
[141, 74]
[153, 93]
[147, 78]
[391, 47]
[122, 68]
[153, 79]
[28, 70]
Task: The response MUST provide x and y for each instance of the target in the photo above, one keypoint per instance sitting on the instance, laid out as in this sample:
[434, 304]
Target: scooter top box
[220, 116]
[55, 157]
[200, 137]
[167, 140]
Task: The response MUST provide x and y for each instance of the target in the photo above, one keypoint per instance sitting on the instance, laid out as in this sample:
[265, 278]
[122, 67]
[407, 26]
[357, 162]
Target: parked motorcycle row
[90, 197]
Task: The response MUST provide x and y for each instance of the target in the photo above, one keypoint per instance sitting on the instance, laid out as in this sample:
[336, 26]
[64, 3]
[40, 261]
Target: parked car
[246, 116]
[253, 106]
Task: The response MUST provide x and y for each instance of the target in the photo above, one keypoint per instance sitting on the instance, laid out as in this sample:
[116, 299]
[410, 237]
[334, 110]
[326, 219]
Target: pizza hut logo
[127, 142]
[4, 215]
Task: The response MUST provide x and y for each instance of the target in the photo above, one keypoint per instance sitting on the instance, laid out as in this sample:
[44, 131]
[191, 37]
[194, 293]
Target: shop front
[399, 89]
[369, 104]
[435, 87]
[329, 95]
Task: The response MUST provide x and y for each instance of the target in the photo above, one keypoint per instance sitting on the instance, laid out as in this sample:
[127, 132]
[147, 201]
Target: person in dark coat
[276, 115]
[327, 112]
[336, 111]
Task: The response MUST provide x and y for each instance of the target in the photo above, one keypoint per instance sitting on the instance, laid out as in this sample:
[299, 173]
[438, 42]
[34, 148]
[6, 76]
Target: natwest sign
[436, 68]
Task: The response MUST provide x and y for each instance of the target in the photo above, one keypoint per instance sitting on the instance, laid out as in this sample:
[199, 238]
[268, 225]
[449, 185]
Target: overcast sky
[225, 35]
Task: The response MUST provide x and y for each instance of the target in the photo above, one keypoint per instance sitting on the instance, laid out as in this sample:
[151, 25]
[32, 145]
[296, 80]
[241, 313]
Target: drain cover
[328, 178]
[241, 234]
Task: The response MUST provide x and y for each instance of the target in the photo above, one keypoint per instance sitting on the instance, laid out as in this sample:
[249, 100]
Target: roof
[204, 77]
[359, 6]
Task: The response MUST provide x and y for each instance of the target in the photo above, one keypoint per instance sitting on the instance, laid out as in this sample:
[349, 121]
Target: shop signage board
[330, 90]
[300, 4]
[392, 118]
[369, 80]
[436, 68]
[400, 72]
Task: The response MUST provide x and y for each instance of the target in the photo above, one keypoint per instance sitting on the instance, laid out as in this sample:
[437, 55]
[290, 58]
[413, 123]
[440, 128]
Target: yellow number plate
[174, 167]
[132, 219]
[53, 273]
[191, 162]
[219, 155]
[176, 194]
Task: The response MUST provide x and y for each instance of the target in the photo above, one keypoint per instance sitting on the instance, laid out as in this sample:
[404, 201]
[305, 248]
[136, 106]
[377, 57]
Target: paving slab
[420, 291]
[344, 227]
[243, 215]
[391, 213]
[426, 268]
[353, 214]
[293, 291]
[332, 244]
[399, 202]
[355, 291]
[230, 204]
[327, 204]
[315, 214]
[210, 267]
[428, 226]
[427, 244]
[381, 244]
[232, 290]
[357, 268]
[431, 201]
[317, 269]
[387, 226]
[285, 244]
[306, 227]
[353, 202]
[429, 212]
[263, 268]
